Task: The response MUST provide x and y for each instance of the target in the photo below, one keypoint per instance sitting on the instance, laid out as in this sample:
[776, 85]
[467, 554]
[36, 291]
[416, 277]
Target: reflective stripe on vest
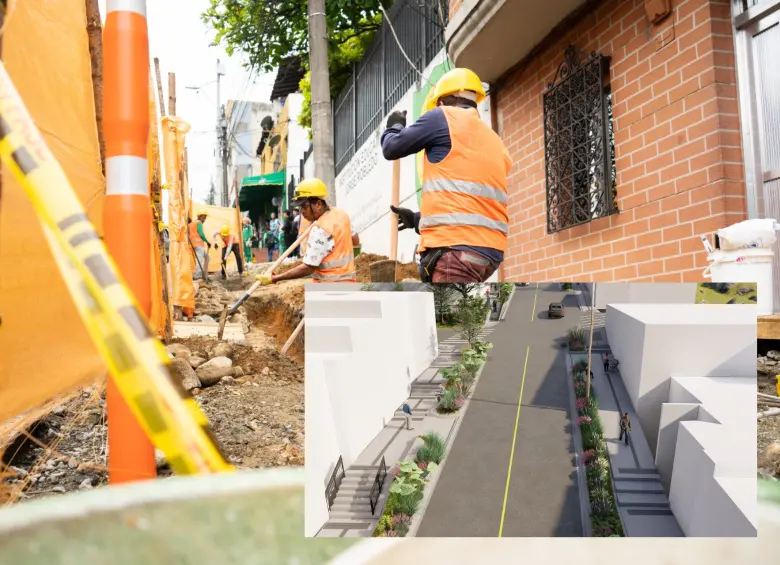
[339, 264]
[464, 197]
[195, 238]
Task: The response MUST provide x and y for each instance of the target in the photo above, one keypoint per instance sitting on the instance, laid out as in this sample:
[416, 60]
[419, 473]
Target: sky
[181, 41]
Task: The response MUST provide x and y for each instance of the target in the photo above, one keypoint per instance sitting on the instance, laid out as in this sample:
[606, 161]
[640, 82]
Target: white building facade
[690, 371]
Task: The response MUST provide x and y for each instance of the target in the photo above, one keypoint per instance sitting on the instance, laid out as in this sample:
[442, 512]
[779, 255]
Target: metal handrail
[334, 483]
[376, 488]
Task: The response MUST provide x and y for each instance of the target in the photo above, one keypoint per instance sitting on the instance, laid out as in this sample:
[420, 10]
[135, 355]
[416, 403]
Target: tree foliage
[268, 31]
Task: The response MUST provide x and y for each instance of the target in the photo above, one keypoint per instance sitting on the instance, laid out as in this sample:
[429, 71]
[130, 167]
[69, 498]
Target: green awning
[271, 179]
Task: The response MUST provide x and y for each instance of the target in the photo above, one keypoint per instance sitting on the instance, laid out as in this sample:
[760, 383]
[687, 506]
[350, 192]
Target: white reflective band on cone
[137, 6]
[127, 175]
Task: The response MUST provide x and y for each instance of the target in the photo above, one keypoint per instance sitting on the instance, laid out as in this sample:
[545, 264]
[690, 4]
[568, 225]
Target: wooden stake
[171, 94]
[159, 86]
[95, 36]
[292, 338]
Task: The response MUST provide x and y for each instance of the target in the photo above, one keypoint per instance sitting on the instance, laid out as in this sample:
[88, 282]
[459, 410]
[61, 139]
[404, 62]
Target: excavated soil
[406, 271]
[258, 418]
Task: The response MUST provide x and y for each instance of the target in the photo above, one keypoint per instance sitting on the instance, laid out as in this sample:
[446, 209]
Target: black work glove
[406, 218]
[215, 246]
[396, 118]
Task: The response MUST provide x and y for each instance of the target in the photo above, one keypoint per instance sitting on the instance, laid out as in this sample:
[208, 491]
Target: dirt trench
[277, 317]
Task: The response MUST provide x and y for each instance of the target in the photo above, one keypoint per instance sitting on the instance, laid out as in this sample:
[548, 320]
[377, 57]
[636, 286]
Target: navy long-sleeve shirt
[431, 133]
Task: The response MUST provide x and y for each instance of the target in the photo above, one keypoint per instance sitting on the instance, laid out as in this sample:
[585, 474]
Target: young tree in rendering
[471, 316]
[442, 299]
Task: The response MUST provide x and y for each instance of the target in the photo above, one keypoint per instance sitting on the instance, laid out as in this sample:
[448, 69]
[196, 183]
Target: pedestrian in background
[606, 362]
[408, 415]
[248, 234]
[625, 427]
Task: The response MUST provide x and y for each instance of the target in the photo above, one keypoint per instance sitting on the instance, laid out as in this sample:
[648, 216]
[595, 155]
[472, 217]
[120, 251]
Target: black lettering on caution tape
[180, 466]
[83, 237]
[72, 220]
[99, 268]
[24, 160]
[153, 417]
[5, 129]
[120, 353]
[134, 320]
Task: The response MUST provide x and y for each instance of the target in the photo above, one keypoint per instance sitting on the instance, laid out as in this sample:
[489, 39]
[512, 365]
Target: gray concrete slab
[542, 498]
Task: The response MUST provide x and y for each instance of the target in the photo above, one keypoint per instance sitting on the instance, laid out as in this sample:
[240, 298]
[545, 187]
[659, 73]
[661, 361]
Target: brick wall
[677, 146]
[454, 7]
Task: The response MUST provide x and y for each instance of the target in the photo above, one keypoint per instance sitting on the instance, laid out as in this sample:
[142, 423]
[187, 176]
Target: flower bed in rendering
[576, 339]
[604, 515]
[406, 491]
[459, 379]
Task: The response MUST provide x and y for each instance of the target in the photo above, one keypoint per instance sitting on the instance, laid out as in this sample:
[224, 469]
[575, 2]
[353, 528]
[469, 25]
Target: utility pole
[223, 145]
[590, 342]
[220, 159]
[172, 94]
[321, 111]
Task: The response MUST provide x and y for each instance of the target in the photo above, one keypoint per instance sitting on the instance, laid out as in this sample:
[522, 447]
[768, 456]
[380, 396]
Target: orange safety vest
[464, 197]
[226, 238]
[195, 238]
[339, 264]
[302, 228]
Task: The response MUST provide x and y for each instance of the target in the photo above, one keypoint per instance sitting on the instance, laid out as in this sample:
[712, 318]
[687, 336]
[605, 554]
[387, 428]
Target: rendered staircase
[351, 515]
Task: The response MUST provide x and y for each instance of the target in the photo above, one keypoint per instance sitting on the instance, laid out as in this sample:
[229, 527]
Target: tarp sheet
[160, 313]
[218, 217]
[181, 259]
[44, 347]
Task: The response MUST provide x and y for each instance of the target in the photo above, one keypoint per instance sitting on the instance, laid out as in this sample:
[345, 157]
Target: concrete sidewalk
[643, 505]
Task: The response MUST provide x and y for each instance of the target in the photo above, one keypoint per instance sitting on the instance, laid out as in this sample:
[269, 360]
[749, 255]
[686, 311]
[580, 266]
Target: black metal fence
[376, 488]
[384, 75]
[334, 483]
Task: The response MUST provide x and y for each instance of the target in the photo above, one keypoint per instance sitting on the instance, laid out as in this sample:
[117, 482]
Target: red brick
[628, 273]
[663, 220]
[648, 240]
[678, 232]
[675, 202]
[650, 268]
[679, 263]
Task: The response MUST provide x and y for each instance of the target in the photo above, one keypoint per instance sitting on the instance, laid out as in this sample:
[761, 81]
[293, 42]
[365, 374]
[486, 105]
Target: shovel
[386, 271]
[229, 311]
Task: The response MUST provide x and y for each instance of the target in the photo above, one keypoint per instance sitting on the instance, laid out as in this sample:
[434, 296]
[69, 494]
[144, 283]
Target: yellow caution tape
[137, 361]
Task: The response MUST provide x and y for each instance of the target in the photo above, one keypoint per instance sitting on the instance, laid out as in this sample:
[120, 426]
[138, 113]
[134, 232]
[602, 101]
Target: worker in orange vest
[328, 255]
[231, 244]
[463, 219]
[201, 246]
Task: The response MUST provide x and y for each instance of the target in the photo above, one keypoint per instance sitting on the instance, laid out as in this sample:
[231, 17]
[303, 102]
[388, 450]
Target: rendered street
[478, 493]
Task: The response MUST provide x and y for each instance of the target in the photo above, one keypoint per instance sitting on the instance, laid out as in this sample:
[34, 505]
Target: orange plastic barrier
[181, 257]
[44, 346]
[160, 314]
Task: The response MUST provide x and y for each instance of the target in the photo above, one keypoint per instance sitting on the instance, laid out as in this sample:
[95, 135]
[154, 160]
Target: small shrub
[402, 529]
[590, 439]
[584, 420]
[401, 519]
[448, 400]
[567, 286]
[582, 404]
[581, 366]
[432, 450]
[459, 402]
[600, 502]
[580, 390]
[391, 534]
[588, 455]
[394, 472]
[409, 504]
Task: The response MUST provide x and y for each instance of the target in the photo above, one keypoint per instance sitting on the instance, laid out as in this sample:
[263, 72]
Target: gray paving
[542, 500]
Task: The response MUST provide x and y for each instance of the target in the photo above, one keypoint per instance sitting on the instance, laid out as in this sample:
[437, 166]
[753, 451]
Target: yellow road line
[514, 441]
[536, 293]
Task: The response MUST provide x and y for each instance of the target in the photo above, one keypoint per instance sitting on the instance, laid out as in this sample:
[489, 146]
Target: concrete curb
[427, 493]
[505, 307]
[582, 482]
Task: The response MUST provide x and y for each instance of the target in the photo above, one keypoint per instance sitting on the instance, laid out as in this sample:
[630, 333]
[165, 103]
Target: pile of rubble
[768, 367]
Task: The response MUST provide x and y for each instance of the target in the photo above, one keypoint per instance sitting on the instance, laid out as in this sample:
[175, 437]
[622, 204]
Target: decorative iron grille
[381, 79]
[578, 142]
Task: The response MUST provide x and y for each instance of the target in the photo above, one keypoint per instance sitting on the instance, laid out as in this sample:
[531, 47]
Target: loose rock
[178, 350]
[196, 361]
[223, 350]
[181, 369]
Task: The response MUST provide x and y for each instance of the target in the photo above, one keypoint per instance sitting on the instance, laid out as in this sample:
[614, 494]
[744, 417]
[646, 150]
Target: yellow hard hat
[311, 188]
[201, 213]
[453, 82]
[225, 231]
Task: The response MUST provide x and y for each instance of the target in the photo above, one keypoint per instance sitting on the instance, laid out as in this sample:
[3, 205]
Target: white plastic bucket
[745, 265]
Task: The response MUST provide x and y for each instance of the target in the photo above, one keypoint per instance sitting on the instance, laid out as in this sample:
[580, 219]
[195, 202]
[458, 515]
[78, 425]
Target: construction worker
[231, 243]
[328, 256]
[463, 218]
[201, 245]
[248, 234]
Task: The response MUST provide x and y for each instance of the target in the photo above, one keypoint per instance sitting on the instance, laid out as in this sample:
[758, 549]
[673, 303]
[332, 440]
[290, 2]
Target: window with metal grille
[578, 142]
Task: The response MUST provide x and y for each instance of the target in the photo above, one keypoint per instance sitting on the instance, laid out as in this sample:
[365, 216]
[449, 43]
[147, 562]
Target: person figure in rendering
[329, 252]
[231, 243]
[606, 362]
[201, 245]
[463, 219]
[407, 415]
[625, 427]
